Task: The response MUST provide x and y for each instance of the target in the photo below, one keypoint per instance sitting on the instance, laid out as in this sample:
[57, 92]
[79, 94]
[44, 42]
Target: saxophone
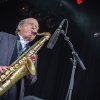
[22, 66]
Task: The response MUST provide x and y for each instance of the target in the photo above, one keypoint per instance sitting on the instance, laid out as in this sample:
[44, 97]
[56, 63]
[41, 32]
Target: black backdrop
[54, 66]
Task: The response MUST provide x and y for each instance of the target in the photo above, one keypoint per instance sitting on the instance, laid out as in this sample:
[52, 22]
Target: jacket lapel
[12, 42]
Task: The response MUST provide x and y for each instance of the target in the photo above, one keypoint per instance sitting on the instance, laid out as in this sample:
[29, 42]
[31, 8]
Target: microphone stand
[74, 61]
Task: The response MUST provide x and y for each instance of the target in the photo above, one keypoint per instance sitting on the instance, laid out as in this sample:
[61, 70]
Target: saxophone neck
[47, 34]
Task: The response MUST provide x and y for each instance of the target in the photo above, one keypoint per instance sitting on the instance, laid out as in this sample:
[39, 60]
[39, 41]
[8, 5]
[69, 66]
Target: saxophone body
[22, 66]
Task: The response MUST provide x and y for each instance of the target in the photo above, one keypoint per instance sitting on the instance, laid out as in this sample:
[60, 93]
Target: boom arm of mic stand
[73, 51]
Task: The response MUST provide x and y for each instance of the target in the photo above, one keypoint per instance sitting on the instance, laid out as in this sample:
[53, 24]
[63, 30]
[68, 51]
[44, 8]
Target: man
[10, 51]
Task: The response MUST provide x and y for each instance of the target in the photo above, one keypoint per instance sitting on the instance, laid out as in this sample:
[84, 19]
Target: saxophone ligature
[22, 66]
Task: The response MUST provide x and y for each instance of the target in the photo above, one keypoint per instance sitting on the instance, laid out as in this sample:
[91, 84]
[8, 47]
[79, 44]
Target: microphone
[96, 35]
[61, 24]
[55, 36]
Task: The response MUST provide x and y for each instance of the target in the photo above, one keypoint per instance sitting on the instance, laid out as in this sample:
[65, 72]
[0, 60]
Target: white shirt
[23, 42]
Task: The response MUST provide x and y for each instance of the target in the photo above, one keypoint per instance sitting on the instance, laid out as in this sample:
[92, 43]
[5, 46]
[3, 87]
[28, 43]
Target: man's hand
[33, 58]
[3, 68]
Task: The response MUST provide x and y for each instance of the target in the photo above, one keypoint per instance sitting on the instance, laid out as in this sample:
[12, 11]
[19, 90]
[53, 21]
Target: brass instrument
[22, 66]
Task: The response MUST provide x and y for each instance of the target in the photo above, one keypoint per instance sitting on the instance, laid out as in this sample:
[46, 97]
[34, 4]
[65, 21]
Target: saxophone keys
[2, 77]
[11, 69]
[7, 72]
[16, 66]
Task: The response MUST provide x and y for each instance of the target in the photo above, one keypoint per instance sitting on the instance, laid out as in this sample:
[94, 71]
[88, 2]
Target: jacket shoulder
[5, 33]
[2, 34]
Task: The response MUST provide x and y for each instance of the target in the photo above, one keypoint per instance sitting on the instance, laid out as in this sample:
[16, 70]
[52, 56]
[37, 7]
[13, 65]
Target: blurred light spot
[79, 2]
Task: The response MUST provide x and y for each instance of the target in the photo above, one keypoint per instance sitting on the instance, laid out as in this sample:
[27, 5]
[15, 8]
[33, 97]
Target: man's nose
[34, 30]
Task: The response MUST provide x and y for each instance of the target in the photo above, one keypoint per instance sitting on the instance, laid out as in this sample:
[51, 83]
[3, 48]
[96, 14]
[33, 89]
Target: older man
[11, 47]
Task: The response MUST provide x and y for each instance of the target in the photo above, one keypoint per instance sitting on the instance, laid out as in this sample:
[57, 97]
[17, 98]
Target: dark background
[54, 66]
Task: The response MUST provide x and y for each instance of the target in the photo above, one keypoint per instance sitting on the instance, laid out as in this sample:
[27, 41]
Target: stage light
[79, 2]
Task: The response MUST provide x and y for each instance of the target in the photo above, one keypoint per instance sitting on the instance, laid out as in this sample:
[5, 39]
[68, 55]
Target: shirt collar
[22, 40]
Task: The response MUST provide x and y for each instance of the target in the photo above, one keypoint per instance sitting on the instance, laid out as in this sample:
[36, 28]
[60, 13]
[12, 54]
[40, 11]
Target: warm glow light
[79, 2]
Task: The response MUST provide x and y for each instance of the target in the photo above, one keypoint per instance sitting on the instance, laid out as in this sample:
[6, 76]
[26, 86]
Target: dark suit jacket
[7, 44]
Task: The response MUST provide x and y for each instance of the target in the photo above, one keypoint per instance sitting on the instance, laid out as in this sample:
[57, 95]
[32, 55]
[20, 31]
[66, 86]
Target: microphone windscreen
[96, 34]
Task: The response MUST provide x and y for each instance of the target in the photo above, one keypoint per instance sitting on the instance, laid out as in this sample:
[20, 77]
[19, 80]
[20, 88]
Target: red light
[79, 2]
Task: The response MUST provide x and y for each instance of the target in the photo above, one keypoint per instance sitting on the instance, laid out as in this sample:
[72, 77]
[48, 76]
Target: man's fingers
[3, 68]
[33, 58]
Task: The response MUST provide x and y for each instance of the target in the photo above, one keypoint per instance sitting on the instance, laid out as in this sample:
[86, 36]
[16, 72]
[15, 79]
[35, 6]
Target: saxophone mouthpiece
[38, 34]
[35, 33]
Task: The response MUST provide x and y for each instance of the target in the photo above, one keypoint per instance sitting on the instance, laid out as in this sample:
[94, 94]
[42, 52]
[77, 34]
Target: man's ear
[19, 27]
